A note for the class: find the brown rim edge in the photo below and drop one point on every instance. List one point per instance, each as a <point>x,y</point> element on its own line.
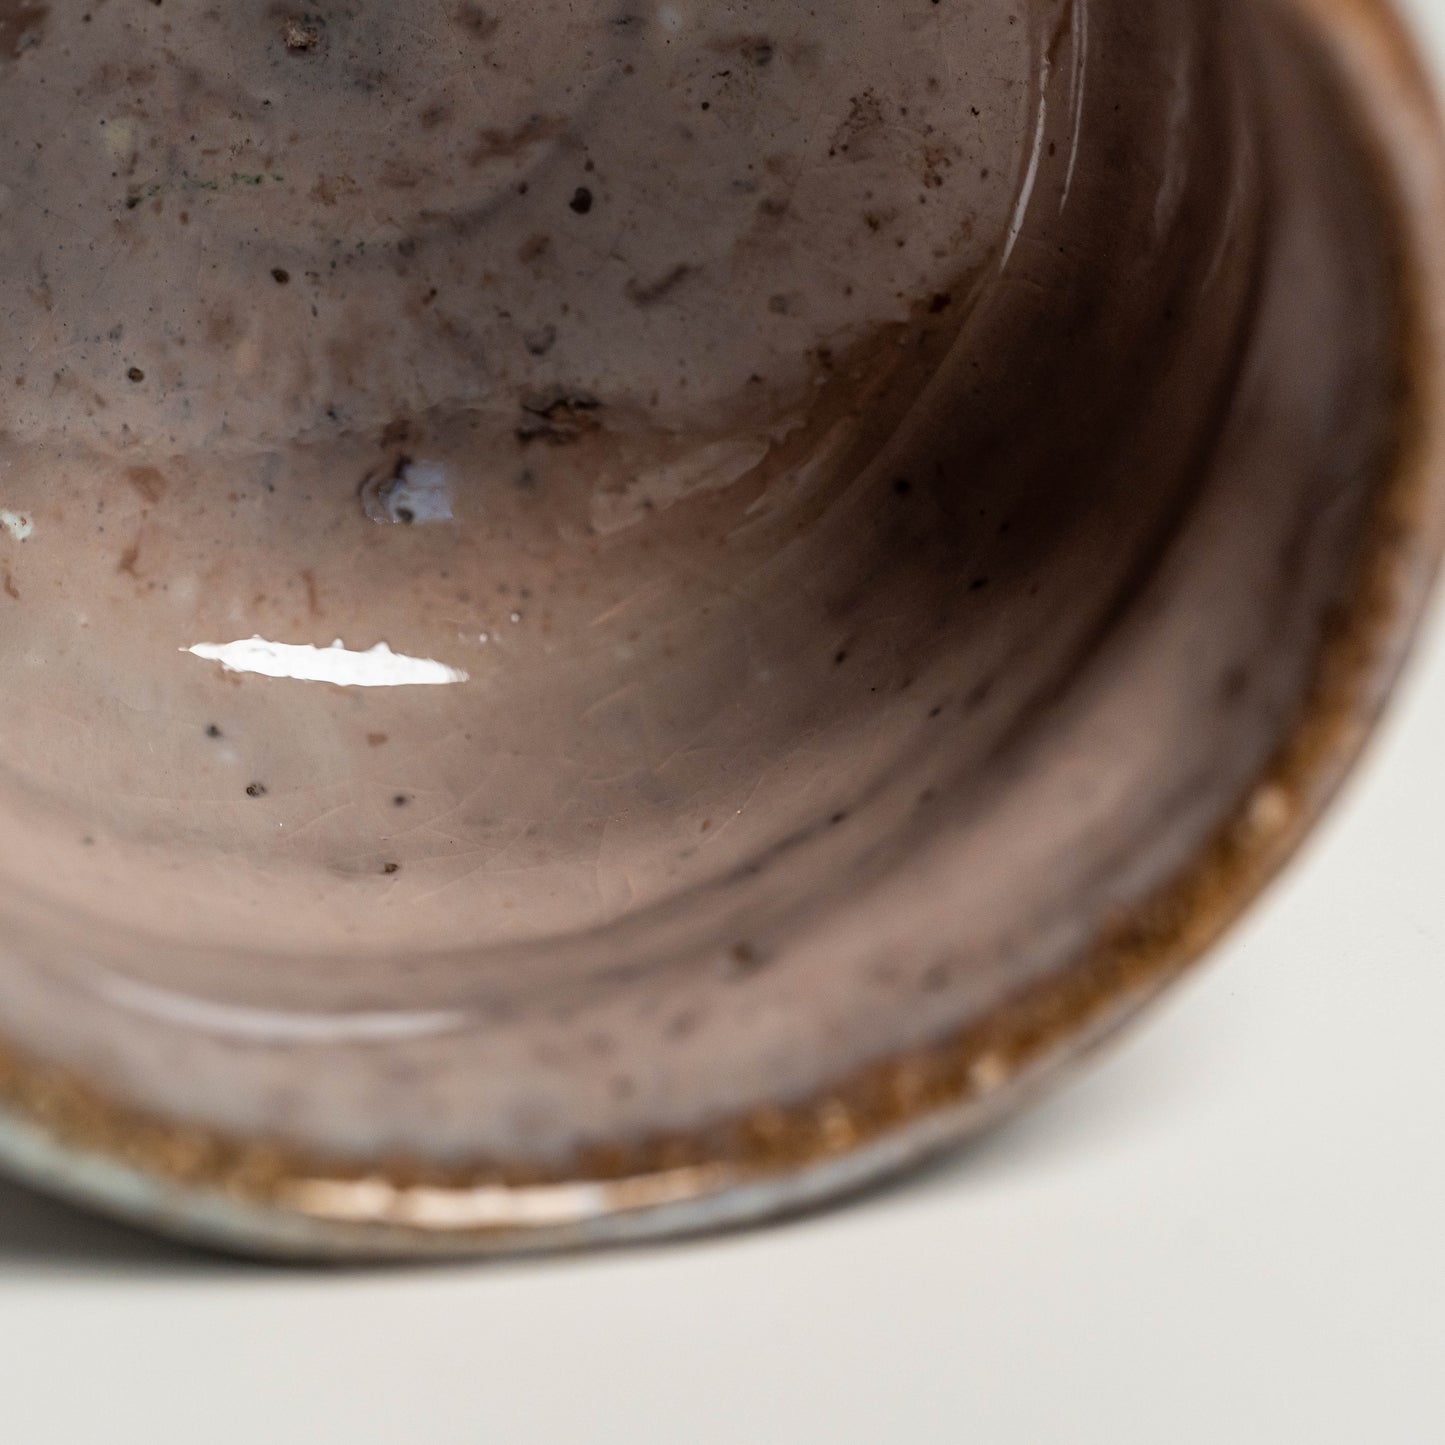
<point>402,1207</point>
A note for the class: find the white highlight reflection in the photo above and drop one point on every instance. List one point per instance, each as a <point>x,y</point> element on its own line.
<point>377,1201</point>
<point>272,1026</point>
<point>1031,175</point>
<point>381,667</point>
<point>17,524</point>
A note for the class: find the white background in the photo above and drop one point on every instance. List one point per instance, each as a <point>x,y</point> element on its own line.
<point>1233,1231</point>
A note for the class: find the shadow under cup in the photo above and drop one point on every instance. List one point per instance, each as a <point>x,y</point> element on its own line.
<point>635,645</point>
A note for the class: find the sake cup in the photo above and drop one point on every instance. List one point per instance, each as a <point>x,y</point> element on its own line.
<point>622,619</point>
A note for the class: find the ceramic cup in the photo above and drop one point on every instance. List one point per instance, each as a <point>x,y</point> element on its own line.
<point>623,618</point>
